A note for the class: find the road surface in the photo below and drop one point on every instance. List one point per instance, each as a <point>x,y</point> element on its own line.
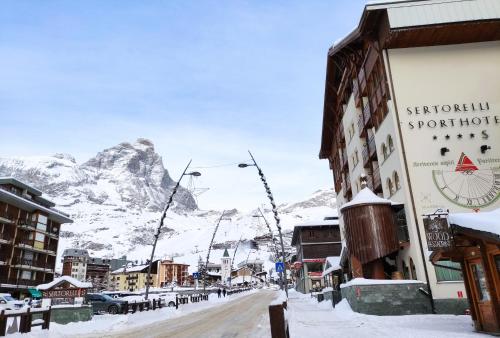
<point>246,316</point>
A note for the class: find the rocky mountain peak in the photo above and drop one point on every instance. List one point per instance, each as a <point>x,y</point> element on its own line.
<point>129,175</point>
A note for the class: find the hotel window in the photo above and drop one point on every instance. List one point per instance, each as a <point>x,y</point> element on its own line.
<point>39,240</point>
<point>355,159</point>
<point>413,270</point>
<point>397,184</point>
<point>26,275</point>
<point>42,223</point>
<point>448,275</point>
<point>384,151</point>
<point>390,144</point>
<point>390,187</point>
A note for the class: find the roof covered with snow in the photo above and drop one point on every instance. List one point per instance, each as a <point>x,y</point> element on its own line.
<point>136,268</point>
<point>62,279</point>
<point>28,205</point>
<point>328,221</point>
<point>319,223</point>
<point>485,221</point>
<point>365,196</point>
<point>332,263</point>
<point>75,252</point>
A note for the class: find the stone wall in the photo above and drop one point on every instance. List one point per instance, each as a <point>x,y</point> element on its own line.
<point>67,315</point>
<point>387,299</point>
<point>455,306</point>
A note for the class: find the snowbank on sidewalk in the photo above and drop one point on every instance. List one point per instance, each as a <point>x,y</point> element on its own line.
<point>307,318</point>
<point>363,281</point>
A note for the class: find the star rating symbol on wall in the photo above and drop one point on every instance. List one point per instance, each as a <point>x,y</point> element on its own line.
<point>447,137</point>
<point>459,136</point>
<point>472,135</point>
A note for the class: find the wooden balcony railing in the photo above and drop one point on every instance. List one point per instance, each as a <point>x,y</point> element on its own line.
<point>361,125</point>
<point>372,150</point>
<point>377,182</point>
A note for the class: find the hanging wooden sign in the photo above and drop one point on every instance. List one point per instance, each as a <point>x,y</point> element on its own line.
<point>438,233</point>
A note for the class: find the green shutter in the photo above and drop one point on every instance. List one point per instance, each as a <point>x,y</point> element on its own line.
<point>444,274</point>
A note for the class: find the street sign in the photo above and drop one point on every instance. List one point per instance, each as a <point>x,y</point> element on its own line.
<point>280,267</point>
<point>196,275</point>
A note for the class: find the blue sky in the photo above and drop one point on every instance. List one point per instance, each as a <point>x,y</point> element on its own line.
<point>202,79</point>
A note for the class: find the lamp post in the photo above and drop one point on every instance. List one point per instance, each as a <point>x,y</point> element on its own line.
<point>232,263</point>
<point>210,248</point>
<point>162,219</point>
<point>275,212</point>
<point>276,250</point>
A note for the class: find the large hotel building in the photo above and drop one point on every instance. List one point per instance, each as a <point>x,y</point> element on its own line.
<point>29,235</point>
<point>412,101</point>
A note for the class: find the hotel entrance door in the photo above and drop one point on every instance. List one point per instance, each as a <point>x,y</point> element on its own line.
<point>481,292</point>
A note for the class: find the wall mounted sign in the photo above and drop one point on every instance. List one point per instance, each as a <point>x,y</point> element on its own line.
<point>468,185</point>
<point>438,233</point>
<point>64,293</point>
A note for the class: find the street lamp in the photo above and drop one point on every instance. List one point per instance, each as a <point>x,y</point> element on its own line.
<point>276,250</point>
<point>162,219</point>
<point>232,263</point>
<point>275,212</point>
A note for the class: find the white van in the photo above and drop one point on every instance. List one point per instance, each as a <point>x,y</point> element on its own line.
<point>7,302</point>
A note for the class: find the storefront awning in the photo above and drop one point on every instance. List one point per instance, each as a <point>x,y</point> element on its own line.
<point>35,293</point>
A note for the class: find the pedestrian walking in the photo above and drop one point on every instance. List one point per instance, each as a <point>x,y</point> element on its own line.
<point>224,292</point>
<point>218,292</point>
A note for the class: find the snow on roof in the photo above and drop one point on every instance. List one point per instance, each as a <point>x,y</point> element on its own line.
<point>136,268</point>
<point>243,279</point>
<point>363,281</point>
<point>319,223</point>
<point>54,214</point>
<point>487,221</point>
<point>61,279</point>
<point>334,265</point>
<point>365,196</point>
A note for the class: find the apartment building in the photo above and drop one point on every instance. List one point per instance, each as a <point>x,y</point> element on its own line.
<point>29,235</point>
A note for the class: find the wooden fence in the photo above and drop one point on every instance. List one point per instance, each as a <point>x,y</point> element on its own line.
<point>26,319</point>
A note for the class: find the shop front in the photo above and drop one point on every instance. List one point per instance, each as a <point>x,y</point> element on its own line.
<point>473,240</point>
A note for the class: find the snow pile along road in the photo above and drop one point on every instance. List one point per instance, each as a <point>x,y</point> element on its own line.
<point>109,325</point>
<point>307,316</point>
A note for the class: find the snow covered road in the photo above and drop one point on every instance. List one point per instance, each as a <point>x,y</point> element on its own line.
<point>245,316</point>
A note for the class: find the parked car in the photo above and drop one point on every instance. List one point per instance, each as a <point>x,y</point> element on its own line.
<point>32,302</point>
<point>104,303</point>
<point>7,302</point>
<point>166,298</point>
<point>120,294</point>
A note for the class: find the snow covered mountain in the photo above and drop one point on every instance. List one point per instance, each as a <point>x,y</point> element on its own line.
<point>116,198</point>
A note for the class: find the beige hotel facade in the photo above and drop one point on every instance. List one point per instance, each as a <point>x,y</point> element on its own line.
<point>412,100</point>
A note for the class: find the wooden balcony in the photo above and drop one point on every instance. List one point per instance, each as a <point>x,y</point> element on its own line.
<point>355,92</point>
<point>370,61</point>
<point>366,156</point>
<point>362,82</point>
<point>377,182</point>
<point>361,125</point>
<point>372,149</point>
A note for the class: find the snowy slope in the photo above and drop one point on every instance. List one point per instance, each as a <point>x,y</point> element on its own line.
<point>116,198</point>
